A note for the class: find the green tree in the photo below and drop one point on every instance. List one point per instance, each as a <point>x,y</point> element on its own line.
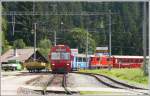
<point>19,44</point>
<point>126,26</point>
<point>44,47</point>
<point>5,43</point>
<point>78,38</point>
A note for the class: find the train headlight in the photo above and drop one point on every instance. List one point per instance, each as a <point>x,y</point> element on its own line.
<point>68,64</point>
<point>53,64</point>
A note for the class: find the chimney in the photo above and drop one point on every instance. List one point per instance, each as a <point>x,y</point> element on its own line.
<point>15,52</point>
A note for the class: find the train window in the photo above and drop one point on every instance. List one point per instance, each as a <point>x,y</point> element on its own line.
<point>65,56</point>
<point>55,56</point>
<point>141,60</point>
<point>137,60</point>
<point>125,60</point>
<point>84,59</point>
<point>133,60</point>
<point>79,59</point>
<point>98,59</point>
<point>119,60</point>
<point>129,60</point>
<point>108,59</point>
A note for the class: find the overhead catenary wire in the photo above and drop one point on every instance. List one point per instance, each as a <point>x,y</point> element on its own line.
<point>58,13</point>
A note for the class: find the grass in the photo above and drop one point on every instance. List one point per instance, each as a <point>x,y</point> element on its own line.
<point>94,92</point>
<point>100,93</point>
<point>130,75</point>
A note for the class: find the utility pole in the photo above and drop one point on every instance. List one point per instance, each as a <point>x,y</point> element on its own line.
<point>13,24</point>
<point>34,27</point>
<point>109,38</point>
<point>144,38</point>
<point>87,41</point>
<point>35,24</point>
<point>55,37</point>
<point>54,10</point>
<point>149,49</point>
<point>1,33</point>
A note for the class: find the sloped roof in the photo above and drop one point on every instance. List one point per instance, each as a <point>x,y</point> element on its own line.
<point>22,54</point>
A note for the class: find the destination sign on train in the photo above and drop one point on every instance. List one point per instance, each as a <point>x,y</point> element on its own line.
<point>60,49</point>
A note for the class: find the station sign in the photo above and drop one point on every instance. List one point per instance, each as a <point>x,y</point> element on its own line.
<point>74,51</point>
<point>101,48</point>
<point>101,51</point>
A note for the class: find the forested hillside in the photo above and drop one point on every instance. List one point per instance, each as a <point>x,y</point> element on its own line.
<point>71,30</point>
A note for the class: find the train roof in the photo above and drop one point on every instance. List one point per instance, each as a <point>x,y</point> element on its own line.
<point>147,57</point>
<point>126,56</point>
<point>81,55</point>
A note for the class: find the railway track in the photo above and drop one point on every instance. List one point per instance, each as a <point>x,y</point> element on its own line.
<point>114,83</point>
<point>64,84</point>
<point>45,82</point>
<point>59,80</point>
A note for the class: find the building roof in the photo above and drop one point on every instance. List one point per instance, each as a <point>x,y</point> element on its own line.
<point>125,56</point>
<point>22,54</point>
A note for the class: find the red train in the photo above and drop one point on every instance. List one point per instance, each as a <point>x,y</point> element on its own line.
<point>116,61</point>
<point>100,62</point>
<point>60,59</point>
<point>127,61</point>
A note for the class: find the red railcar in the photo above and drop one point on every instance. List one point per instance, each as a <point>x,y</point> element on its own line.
<point>100,62</point>
<point>60,59</point>
<point>127,61</point>
<point>116,61</point>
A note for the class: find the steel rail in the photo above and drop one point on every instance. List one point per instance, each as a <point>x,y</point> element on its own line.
<point>129,87</point>
<point>48,83</point>
<point>64,85</point>
<point>113,80</point>
<point>114,86</point>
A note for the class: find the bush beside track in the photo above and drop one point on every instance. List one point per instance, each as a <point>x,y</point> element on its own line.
<point>131,76</point>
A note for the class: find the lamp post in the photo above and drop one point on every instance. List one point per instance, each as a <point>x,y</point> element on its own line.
<point>61,23</point>
<point>61,26</point>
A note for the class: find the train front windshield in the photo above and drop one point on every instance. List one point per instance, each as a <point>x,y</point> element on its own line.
<point>60,56</point>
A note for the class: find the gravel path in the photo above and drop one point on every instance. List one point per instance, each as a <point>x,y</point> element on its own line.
<point>41,81</point>
<point>57,81</point>
<point>80,80</point>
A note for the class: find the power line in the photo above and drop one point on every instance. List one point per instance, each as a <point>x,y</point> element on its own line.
<point>60,13</point>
